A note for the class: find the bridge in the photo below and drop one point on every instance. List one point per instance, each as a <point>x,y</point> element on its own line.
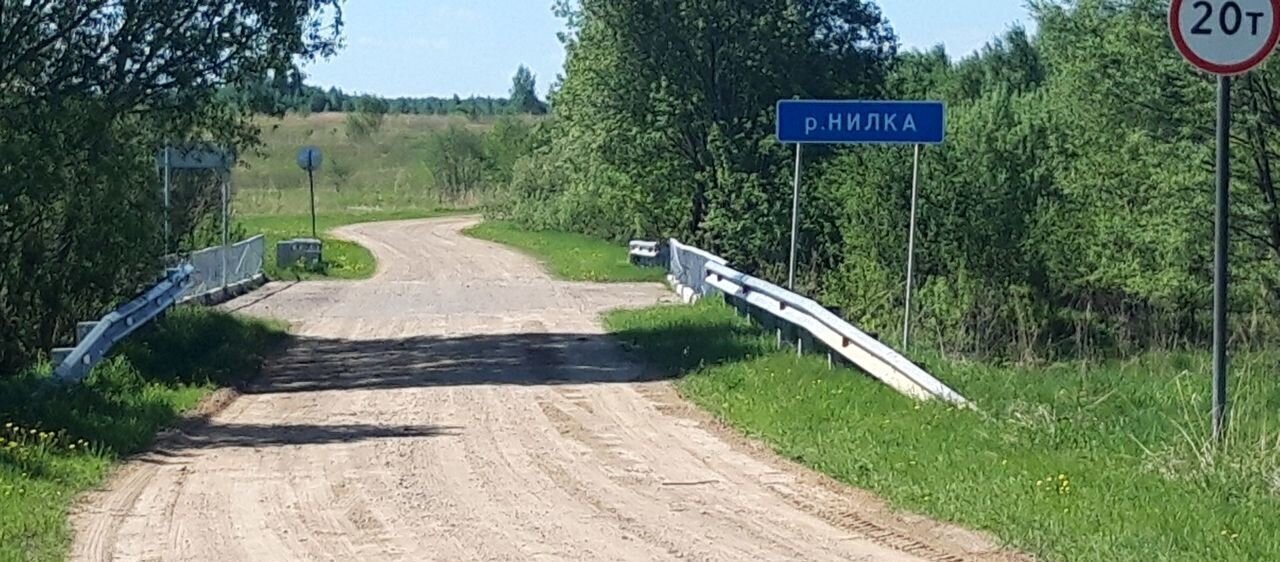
<point>464,405</point>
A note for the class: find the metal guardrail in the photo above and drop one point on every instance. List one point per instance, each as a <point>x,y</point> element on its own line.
<point>839,336</point>
<point>218,267</point>
<point>687,268</point>
<point>695,273</point>
<point>97,338</point>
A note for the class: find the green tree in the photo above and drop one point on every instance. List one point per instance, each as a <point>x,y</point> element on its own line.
<point>524,93</point>
<point>367,118</point>
<point>666,110</point>
<point>89,91</point>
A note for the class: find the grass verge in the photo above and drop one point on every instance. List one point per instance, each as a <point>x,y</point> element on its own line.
<point>57,441</point>
<point>569,256</point>
<point>1066,462</point>
<point>342,259</point>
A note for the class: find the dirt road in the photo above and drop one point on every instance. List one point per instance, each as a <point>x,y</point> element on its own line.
<point>462,405</point>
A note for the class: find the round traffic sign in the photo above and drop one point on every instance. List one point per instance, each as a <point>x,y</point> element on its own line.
<point>1225,37</point>
<point>309,157</point>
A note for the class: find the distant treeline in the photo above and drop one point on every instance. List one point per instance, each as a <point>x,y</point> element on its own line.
<point>288,93</point>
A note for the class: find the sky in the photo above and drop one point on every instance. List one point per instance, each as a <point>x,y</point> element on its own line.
<point>473,47</point>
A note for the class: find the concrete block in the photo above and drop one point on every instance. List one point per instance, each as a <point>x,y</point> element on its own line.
<point>304,250</point>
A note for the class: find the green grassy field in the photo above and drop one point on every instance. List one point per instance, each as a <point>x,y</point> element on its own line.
<point>379,178</point>
<point>1067,462</point>
<point>387,172</point>
<point>58,441</point>
<point>342,259</point>
<point>573,257</point>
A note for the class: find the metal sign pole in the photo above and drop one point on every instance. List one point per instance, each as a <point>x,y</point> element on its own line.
<point>1221,250</point>
<point>167,213</point>
<point>312,181</point>
<point>911,248</point>
<point>226,187</point>
<point>795,223</point>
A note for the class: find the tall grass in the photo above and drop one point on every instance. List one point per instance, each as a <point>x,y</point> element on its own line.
<point>389,169</point>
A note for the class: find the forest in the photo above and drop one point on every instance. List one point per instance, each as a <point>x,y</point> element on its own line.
<point>1068,214</point>
<point>288,92</point>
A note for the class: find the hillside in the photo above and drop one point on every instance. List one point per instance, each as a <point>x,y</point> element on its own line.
<point>396,167</point>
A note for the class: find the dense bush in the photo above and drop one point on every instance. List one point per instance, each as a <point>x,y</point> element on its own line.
<point>1068,213</point>
<point>89,93</point>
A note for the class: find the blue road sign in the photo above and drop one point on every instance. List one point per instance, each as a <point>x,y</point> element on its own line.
<point>860,122</point>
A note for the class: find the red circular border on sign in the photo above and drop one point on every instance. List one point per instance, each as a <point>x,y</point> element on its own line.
<point>1220,69</point>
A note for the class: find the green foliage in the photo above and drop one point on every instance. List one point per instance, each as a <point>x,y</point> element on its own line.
<point>665,109</point>
<point>569,256</point>
<point>58,441</point>
<point>524,93</point>
<point>89,92</point>
<point>457,161</point>
<point>1067,214</point>
<point>367,119</point>
<point>408,165</point>
<point>1079,461</point>
<point>280,93</point>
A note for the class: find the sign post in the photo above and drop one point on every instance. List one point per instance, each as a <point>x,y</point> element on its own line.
<point>913,123</point>
<point>201,156</point>
<point>911,248</point>
<point>310,159</point>
<point>168,214</point>
<point>795,224</point>
<point>1224,38</point>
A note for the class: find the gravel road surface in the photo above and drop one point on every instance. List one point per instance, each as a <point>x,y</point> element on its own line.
<point>463,405</point>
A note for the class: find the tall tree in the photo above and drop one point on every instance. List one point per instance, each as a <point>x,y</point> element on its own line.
<point>668,106</point>
<point>89,91</point>
<point>524,93</point>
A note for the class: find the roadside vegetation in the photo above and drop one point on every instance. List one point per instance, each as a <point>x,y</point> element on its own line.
<point>380,163</point>
<point>81,124</point>
<point>57,441</point>
<point>569,256</point>
<point>1076,461</point>
<point>1066,215</point>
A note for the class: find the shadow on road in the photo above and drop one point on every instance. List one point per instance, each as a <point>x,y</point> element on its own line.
<point>176,448</point>
<point>317,364</point>
<point>222,435</point>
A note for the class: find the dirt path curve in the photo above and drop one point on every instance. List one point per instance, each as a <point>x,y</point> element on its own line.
<point>462,405</point>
